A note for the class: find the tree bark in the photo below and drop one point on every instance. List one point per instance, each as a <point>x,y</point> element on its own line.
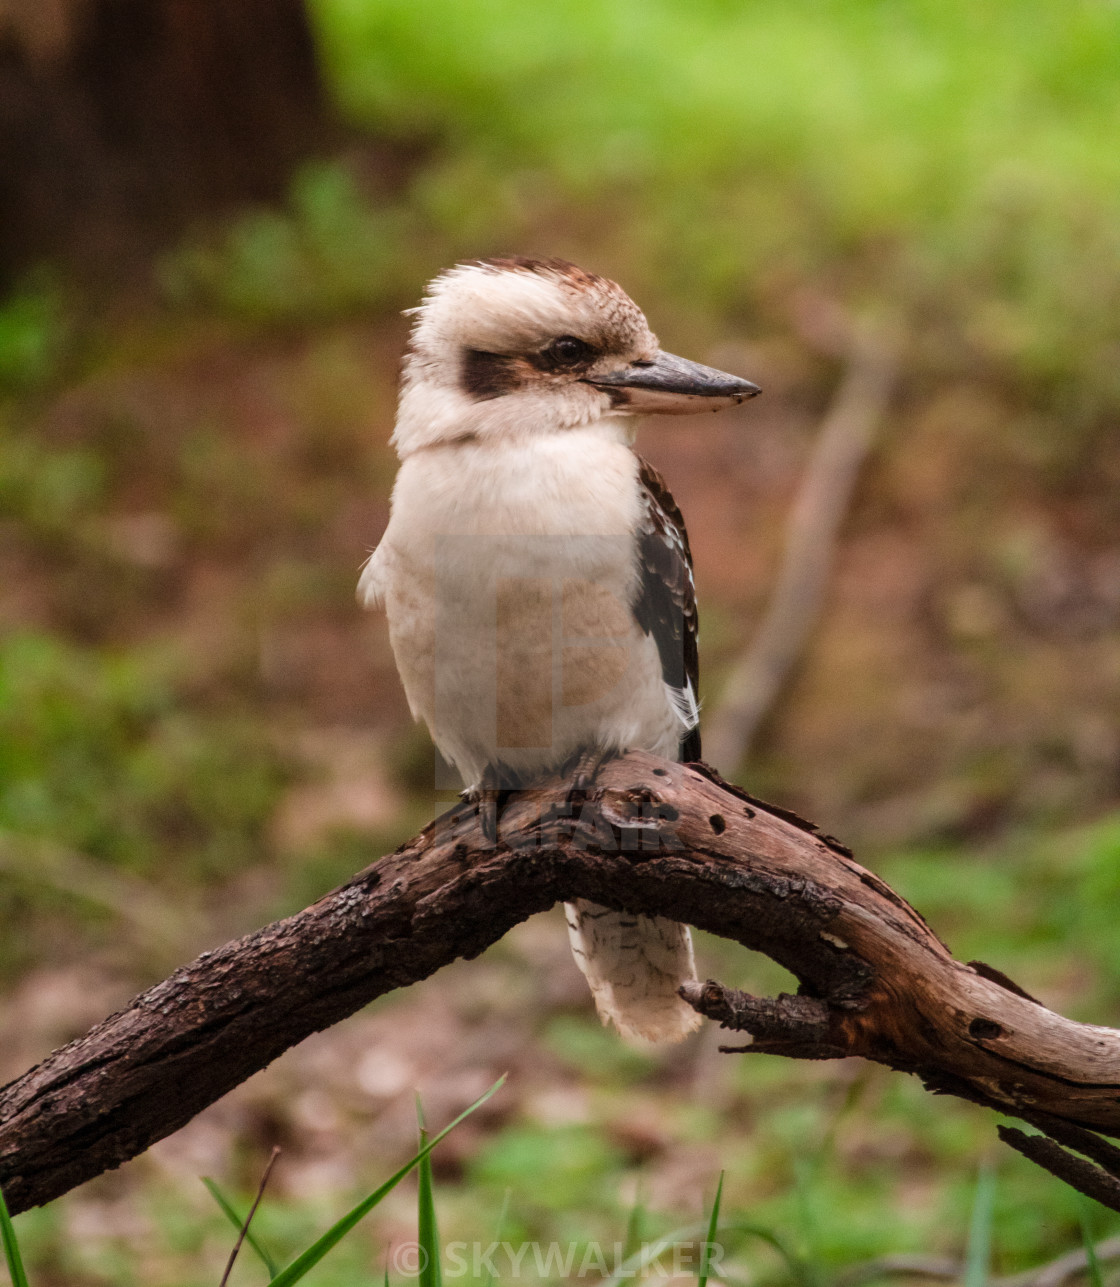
<point>119,119</point>
<point>650,837</point>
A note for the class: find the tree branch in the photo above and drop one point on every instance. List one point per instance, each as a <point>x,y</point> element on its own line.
<point>846,436</point>
<point>651,837</point>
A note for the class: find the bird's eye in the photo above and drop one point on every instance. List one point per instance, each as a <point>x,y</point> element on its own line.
<point>567,351</point>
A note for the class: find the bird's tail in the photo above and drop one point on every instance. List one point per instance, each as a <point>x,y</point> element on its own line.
<point>634,965</point>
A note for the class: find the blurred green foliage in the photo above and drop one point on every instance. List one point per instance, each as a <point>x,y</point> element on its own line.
<point>958,159</point>
<point>331,252</point>
<point>31,334</point>
<point>47,490</point>
<point>97,752</point>
<point>1041,904</point>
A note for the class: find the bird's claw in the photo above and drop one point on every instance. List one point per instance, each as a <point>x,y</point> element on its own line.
<point>486,801</point>
<point>585,771</point>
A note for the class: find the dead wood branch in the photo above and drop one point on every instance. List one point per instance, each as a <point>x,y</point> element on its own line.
<point>1052,1274</point>
<point>651,837</point>
<point>823,499</point>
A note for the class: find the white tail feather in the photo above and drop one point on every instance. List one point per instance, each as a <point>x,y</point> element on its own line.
<point>634,966</point>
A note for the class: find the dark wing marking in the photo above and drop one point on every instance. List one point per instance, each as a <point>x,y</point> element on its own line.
<point>665,606</point>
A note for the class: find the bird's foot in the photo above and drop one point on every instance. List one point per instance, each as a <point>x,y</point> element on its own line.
<point>488,800</point>
<point>585,770</point>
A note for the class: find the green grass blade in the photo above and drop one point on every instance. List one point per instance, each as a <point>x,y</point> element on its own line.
<point>713,1225</point>
<point>427,1234</point>
<point>796,1267</point>
<point>11,1246</point>
<point>806,1174</point>
<point>637,1265</point>
<point>1091,1262</point>
<point>635,1225</point>
<point>237,1221</point>
<point>499,1230</point>
<point>979,1256</point>
<point>310,1258</point>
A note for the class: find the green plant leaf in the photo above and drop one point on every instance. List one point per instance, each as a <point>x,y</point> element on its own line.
<point>427,1233</point>
<point>807,1173</point>
<point>237,1222</point>
<point>1091,1262</point>
<point>979,1255</point>
<point>636,1266</point>
<point>498,1230</point>
<point>635,1223</point>
<point>713,1225</point>
<point>11,1246</point>
<point>293,1272</point>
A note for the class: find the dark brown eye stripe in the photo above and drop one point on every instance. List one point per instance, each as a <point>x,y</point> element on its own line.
<point>484,375</point>
<point>488,375</point>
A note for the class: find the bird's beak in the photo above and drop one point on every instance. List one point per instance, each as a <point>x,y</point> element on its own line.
<point>672,385</point>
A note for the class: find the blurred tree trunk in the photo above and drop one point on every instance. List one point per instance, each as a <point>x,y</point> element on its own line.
<point>120,119</point>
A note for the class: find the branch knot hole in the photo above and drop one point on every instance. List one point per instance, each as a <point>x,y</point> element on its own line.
<point>985,1029</point>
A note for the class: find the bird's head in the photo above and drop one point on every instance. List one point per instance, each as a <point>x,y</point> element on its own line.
<point>513,346</point>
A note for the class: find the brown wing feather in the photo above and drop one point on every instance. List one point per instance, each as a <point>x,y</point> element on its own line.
<point>665,606</point>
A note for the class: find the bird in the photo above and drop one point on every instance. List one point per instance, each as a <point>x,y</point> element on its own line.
<point>536,572</point>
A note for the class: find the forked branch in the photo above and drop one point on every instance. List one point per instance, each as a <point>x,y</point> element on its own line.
<point>651,837</point>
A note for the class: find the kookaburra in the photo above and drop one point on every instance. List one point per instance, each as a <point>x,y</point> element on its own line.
<point>536,571</point>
